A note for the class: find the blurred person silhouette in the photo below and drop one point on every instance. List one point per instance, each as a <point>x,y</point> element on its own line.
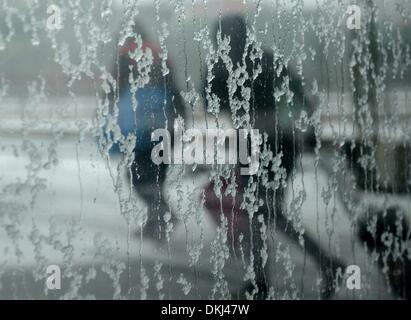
<point>271,117</point>
<point>157,106</point>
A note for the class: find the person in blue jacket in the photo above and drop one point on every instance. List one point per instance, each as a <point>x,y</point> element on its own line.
<point>158,104</point>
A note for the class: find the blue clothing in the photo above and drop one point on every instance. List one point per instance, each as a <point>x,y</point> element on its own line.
<point>154,108</point>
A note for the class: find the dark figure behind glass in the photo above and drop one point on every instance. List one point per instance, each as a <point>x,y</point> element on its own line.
<point>265,115</point>
<point>158,105</point>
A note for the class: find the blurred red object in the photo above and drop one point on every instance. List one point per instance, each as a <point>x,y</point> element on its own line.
<point>229,206</point>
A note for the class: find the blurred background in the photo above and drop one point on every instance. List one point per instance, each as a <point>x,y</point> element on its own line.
<point>66,198</point>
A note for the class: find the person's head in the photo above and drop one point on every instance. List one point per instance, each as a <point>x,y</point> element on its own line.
<point>138,29</point>
<point>233,26</point>
<point>126,61</point>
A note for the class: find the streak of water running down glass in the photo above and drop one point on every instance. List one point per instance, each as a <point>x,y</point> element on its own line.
<point>85,84</point>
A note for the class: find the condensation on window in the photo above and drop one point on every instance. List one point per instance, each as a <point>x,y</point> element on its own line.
<point>205,149</point>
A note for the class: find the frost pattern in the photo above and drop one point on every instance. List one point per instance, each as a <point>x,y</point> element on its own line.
<point>333,184</point>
